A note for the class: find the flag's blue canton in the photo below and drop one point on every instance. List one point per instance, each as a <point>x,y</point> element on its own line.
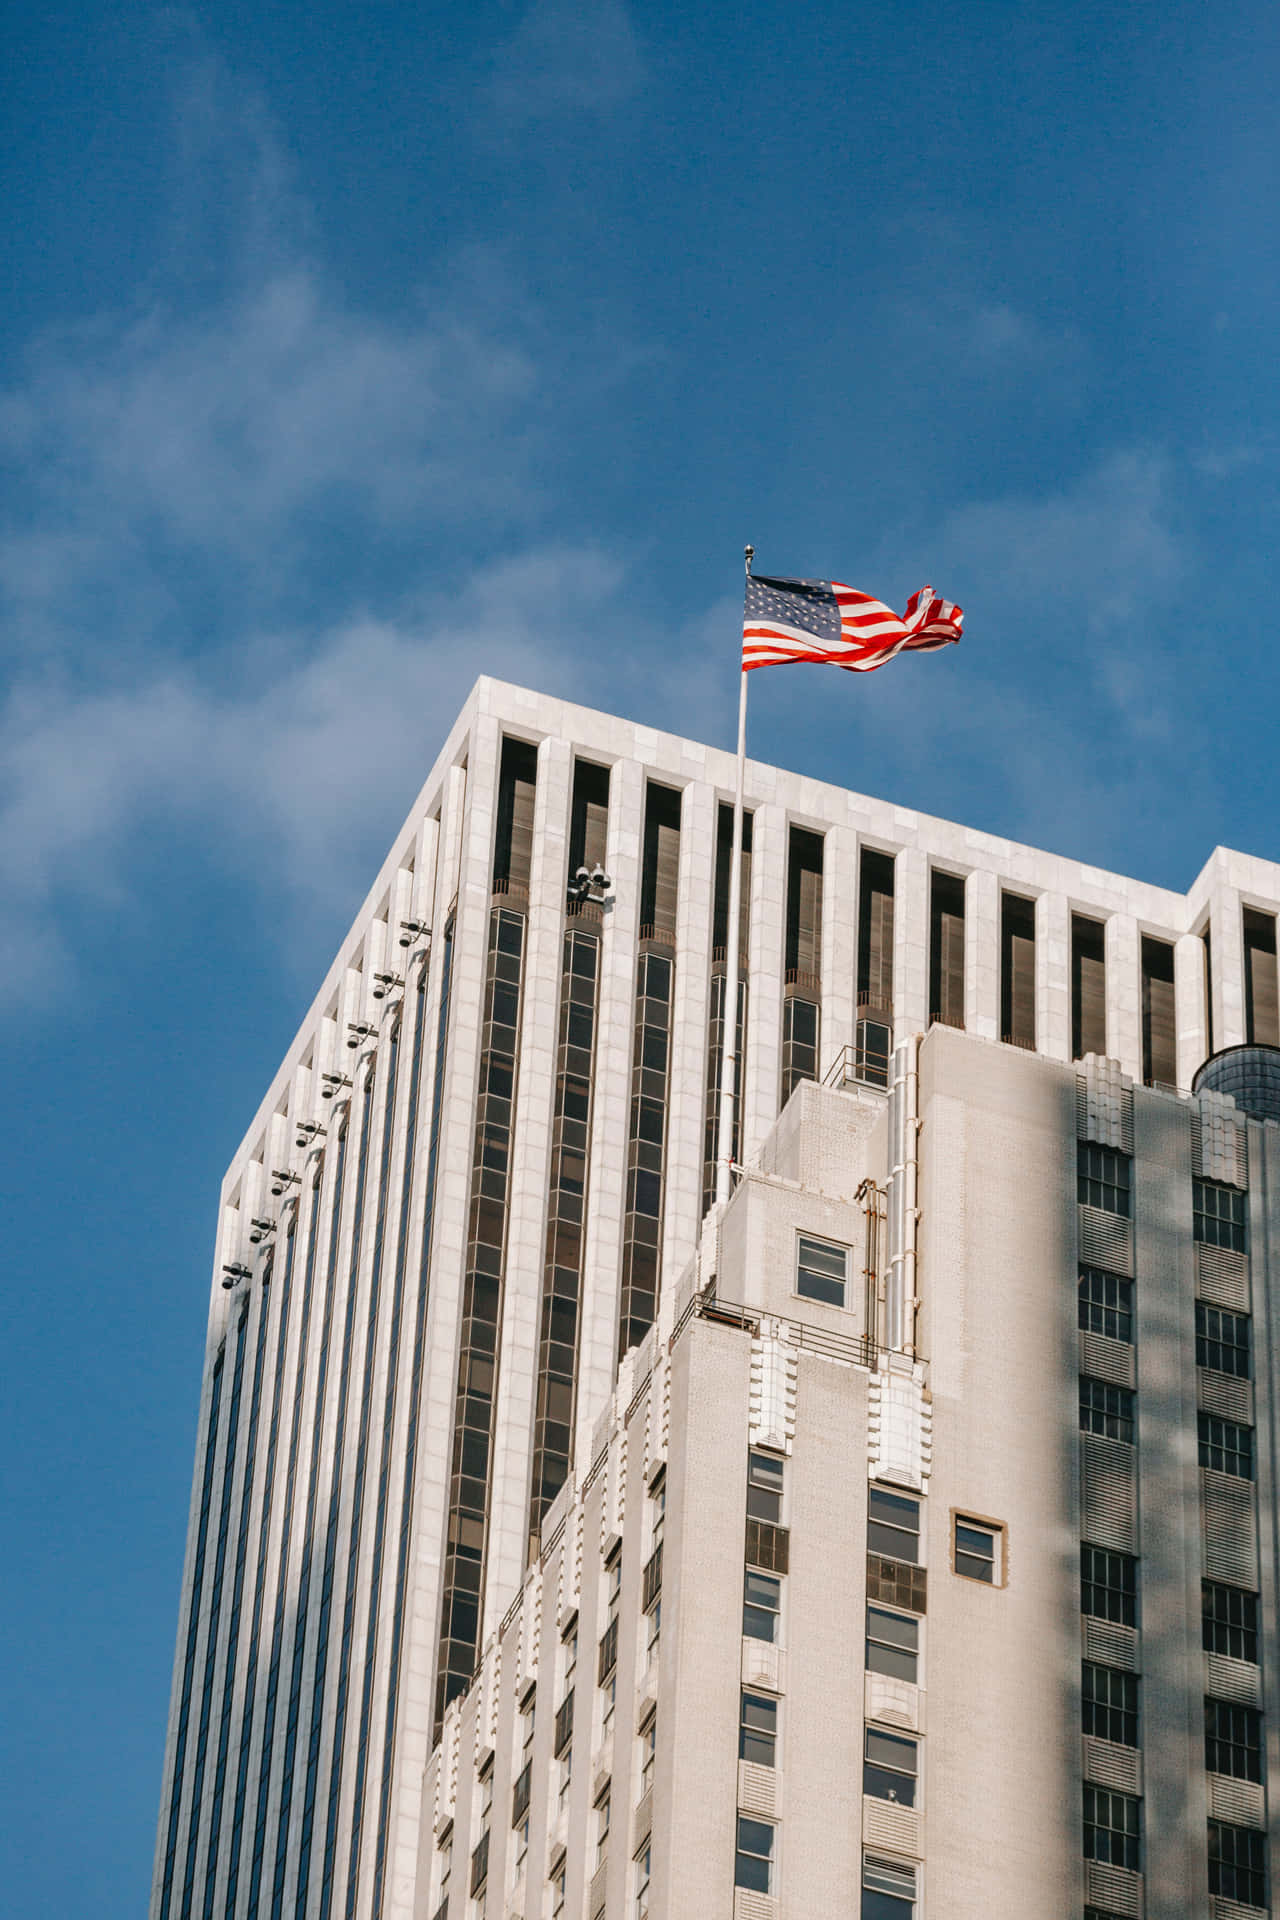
<point>807,604</point>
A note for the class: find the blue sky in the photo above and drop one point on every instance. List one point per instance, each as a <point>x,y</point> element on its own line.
<point>348,351</point>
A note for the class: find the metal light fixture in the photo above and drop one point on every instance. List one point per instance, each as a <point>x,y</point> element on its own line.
<point>282,1178</point>
<point>333,1083</point>
<point>357,1031</point>
<point>591,884</point>
<point>385,983</point>
<point>233,1273</point>
<point>309,1133</point>
<point>259,1229</point>
<point>411,930</point>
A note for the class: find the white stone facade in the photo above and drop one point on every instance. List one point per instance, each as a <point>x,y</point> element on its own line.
<point>304,1457</point>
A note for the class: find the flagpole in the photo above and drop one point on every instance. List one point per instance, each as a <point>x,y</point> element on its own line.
<point>729,1063</point>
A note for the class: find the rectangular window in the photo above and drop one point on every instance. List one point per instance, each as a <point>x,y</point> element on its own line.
<point>648,1753</point>
<point>1103,1178</point>
<point>1261,1004</point>
<point>1109,1700</point>
<point>643,1863</point>
<point>977,1550</point>
<point>1238,1864</point>
<point>1106,1304</point>
<point>1223,1341</point>
<point>1159,1022</point>
<point>821,1270</point>
<point>1106,1409</point>
<point>564,1724</point>
<point>946,949</point>
<point>1217,1214</point>
<point>1017,970</point>
<point>893,1644</point>
<point>1232,1740</point>
<point>753,1861</point>
<point>761,1606</point>
<point>888,1889</point>
<point>1111,1828</point>
<point>1230,1621</point>
<point>893,1525</point>
<point>1225,1446</point>
<point>559,1876</point>
<point>890,1766</point>
<point>1109,1585</point>
<point>758,1729</point>
<point>1088,987</point>
<point>764,1487</point>
<point>604,1809</point>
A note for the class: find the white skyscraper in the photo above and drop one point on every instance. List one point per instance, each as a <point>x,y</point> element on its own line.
<point>921,1560</point>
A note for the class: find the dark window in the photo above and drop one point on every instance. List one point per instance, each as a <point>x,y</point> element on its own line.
<point>1111,1827</point>
<point>1109,1585</point>
<point>888,1889</point>
<point>1238,1864</point>
<point>1225,1446</point>
<point>761,1605</point>
<point>1223,1340</point>
<point>1232,1740</point>
<point>753,1860</point>
<point>946,949</point>
<point>1218,1214</point>
<point>1103,1178</point>
<point>1230,1624</point>
<point>1106,1304</point>
<point>893,1525</point>
<point>821,1270</point>
<point>896,1583</point>
<point>1159,1025</point>
<point>480,1863</point>
<point>893,1643</point>
<point>890,1766</point>
<point>1110,1704</point>
<point>875,931</point>
<point>1261,1005</point>
<point>764,1486</point>
<point>564,1724</point>
<point>758,1729</point>
<point>767,1546</point>
<point>1018,970</point>
<point>977,1550</point>
<point>1088,987</point>
<point>1106,1409</point>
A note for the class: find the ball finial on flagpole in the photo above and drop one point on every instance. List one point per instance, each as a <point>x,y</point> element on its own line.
<point>749,553</point>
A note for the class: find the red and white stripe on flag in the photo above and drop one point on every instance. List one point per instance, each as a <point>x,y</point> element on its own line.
<point>870,633</point>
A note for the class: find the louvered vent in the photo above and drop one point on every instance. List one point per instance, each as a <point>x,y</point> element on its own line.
<point>897,1829</point>
<point>1223,1394</point>
<point>1107,1359</point>
<point>1106,1240</point>
<point>1108,1493</point>
<point>1230,1529</point>
<point>1113,1888</point>
<point>1108,1765</point>
<point>1238,1801</point>
<point>1222,1276</point>
<point>1228,1679</point>
<point>757,1790</point>
<point>1110,1644</point>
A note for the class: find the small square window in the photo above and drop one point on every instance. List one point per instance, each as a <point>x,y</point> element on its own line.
<point>822,1270</point>
<point>1230,1621</point>
<point>1226,1446</point>
<point>1223,1341</point>
<point>1217,1216</point>
<point>1106,1304</point>
<point>890,1766</point>
<point>1106,1409</point>
<point>1238,1864</point>
<point>979,1550</point>
<point>1112,1827</point>
<point>1109,1704</point>
<point>753,1860</point>
<point>1109,1585</point>
<point>1232,1740</point>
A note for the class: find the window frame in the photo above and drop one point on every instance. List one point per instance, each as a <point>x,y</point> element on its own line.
<point>1233,1732</point>
<point>1212,1347</point>
<point>1104,1716</point>
<point>1098,1178</point>
<point>1219,1443</point>
<point>1219,1225</point>
<point>880,1767</point>
<point>1091,1311</point>
<point>1107,1410</point>
<point>1212,1621</point>
<point>822,1247</point>
<point>764,1486</point>
<point>1252,1877</point>
<point>742,1854</point>
<point>1128,1593</point>
<point>1100,1839</point>
<point>892,1886</point>
<point>752,1699</point>
<point>773,1639</point>
<point>994,1530</point>
<point>896,1532</point>
<point>909,1655</point>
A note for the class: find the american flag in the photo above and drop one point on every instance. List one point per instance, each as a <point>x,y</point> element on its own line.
<point>824,620</point>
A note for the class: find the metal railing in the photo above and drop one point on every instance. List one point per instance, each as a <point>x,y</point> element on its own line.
<point>858,1065</point>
